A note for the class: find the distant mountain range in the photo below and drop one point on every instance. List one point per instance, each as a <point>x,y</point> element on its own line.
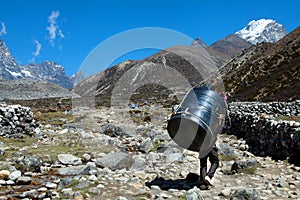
<point>47,71</point>
<point>257,31</point>
<point>230,55</point>
<point>253,44</point>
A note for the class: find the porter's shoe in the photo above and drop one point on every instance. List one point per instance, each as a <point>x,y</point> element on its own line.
<point>208,181</point>
<point>204,187</point>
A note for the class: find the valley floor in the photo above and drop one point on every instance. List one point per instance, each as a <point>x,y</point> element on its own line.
<point>103,154</point>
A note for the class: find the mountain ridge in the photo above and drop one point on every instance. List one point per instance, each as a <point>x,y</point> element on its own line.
<point>9,69</point>
<point>220,52</point>
<point>267,71</point>
<point>239,84</point>
<point>48,71</point>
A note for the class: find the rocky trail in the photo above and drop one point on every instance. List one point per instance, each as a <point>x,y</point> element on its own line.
<point>100,154</point>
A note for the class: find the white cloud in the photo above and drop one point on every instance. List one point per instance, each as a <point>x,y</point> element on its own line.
<point>38,48</point>
<point>54,30</point>
<point>60,33</point>
<point>3,29</point>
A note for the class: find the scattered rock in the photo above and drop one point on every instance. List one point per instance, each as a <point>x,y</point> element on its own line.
<point>16,120</point>
<point>4,174</point>
<point>226,192</point>
<point>146,146</point>
<point>244,164</point>
<point>194,194</point>
<point>68,159</point>
<point>29,163</point>
<point>138,164</point>
<point>115,161</point>
<point>245,194</point>
<point>128,165</point>
<point>76,170</point>
<point>174,157</point>
<point>23,180</point>
<point>14,175</point>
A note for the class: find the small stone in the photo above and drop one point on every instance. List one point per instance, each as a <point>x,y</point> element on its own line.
<point>23,180</point>
<point>226,192</point>
<point>28,174</point>
<point>67,192</point>
<point>100,186</point>
<point>138,164</point>
<point>155,187</point>
<point>121,198</point>
<point>146,146</point>
<point>114,161</point>
<point>174,157</point>
<point>54,195</point>
<point>51,185</point>
<point>42,189</point>
<point>194,194</point>
<point>78,197</point>
<point>4,174</point>
<point>142,175</point>
<point>10,182</point>
<point>68,159</point>
<point>292,186</point>
<point>184,173</point>
<point>246,193</point>
<point>86,157</point>
<point>42,195</point>
<point>63,131</point>
<point>94,190</point>
<point>93,178</point>
<point>14,175</point>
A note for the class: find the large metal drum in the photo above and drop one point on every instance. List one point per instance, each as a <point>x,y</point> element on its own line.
<point>198,120</point>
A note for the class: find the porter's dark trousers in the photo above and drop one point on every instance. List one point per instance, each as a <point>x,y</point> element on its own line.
<point>214,160</point>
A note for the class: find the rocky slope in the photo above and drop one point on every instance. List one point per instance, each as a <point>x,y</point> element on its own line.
<point>22,89</point>
<point>77,77</point>
<point>266,71</point>
<point>175,69</point>
<point>224,49</point>
<point>258,72</point>
<point>228,47</point>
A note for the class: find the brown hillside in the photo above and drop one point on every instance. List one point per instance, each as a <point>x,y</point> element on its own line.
<point>266,71</point>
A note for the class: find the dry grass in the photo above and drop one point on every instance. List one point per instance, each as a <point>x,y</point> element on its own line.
<point>288,118</point>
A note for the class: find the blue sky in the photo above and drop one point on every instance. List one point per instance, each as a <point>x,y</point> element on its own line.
<point>66,31</point>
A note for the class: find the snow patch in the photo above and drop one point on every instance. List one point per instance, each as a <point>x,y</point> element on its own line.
<point>15,74</point>
<point>27,73</point>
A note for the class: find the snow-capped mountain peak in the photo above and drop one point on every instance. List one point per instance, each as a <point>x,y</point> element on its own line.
<point>262,30</point>
<point>9,69</point>
<point>47,71</point>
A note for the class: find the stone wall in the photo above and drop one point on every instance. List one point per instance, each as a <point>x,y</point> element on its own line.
<point>15,121</point>
<point>262,126</point>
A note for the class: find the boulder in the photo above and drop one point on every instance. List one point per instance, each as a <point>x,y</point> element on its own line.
<point>114,161</point>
